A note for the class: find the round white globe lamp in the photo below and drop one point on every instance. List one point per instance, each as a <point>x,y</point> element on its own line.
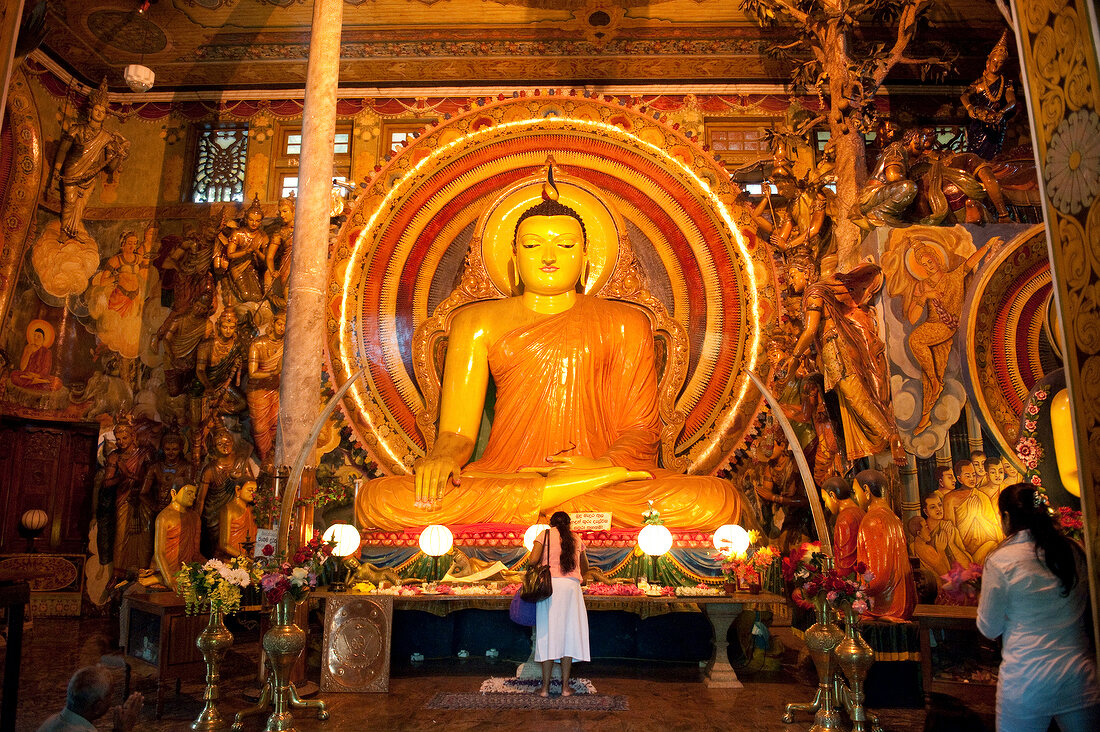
<point>654,540</point>
<point>435,541</point>
<point>731,539</point>
<point>346,537</point>
<point>31,524</point>
<point>533,534</point>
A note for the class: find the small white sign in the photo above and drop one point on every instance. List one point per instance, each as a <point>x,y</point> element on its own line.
<point>266,537</point>
<point>590,521</point>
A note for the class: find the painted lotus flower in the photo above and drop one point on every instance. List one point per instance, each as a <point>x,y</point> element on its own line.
<point>1072,169</point>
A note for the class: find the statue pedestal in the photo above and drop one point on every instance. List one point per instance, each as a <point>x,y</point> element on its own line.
<point>719,673</point>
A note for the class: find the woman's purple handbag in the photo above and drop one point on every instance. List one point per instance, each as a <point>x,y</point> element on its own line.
<point>521,611</point>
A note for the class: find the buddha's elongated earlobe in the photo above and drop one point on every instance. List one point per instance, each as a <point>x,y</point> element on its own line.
<point>586,278</point>
<point>513,275</point>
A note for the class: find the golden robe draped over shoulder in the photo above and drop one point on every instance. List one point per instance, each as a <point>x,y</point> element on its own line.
<point>581,382</point>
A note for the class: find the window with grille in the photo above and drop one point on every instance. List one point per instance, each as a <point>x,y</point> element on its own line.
<point>396,132</point>
<point>738,142</point>
<point>289,152</point>
<point>220,156</point>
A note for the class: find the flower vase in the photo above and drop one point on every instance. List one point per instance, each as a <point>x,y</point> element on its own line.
<point>283,643</point>
<point>729,587</point>
<point>213,642</point>
<point>854,657</point>
<point>821,638</point>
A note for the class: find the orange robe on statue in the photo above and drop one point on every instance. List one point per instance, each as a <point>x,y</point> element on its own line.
<point>881,545</point>
<point>181,538</point>
<point>581,382</point>
<point>845,536</point>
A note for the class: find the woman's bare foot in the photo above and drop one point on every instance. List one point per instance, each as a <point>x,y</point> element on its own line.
<point>565,690</point>
<point>544,693</point>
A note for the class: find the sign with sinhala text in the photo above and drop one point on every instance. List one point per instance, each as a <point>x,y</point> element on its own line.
<point>590,521</point>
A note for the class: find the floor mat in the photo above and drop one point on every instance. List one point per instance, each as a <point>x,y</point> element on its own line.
<point>512,685</point>
<point>577,702</point>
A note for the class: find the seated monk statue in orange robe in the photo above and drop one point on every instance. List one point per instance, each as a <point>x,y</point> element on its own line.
<point>881,545</point>
<point>836,493</point>
<point>176,540</point>
<point>236,524</point>
<point>576,424</point>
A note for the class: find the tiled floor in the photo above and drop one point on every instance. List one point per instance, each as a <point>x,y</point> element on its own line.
<point>666,697</point>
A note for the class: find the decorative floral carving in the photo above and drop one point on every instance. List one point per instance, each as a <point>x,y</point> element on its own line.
<point>1072,172</point>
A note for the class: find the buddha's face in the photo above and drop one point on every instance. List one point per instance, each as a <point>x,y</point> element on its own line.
<point>549,254</point>
<point>967,476</point>
<point>933,506</point>
<point>996,60</point>
<point>247,491</point>
<point>185,496</point>
<point>996,473</point>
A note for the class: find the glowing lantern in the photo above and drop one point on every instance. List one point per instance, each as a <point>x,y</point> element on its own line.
<point>533,533</point>
<point>655,539</point>
<point>346,537</point>
<point>436,540</point>
<point>34,519</point>
<point>731,539</point>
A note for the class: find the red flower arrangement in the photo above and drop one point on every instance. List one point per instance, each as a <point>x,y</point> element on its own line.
<point>805,573</point>
<point>748,569</point>
<point>296,576</point>
<point>1070,523</point>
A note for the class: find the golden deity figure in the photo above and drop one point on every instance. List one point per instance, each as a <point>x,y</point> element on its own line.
<point>576,425</point>
<point>265,366</point>
<point>167,475</point>
<point>123,474</point>
<point>990,102</point>
<point>176,539</point>
<point>244,253</point>
<point>838,318</point>
<point>236,524</point>
<point>973,513</point>
<point>277,257</point>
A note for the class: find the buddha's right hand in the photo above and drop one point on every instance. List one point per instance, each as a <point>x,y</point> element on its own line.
<point>433,474</point>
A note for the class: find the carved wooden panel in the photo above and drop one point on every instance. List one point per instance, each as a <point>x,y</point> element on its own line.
<point>356,655</point>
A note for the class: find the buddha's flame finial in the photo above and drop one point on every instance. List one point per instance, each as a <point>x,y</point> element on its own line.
<point>549,188</point>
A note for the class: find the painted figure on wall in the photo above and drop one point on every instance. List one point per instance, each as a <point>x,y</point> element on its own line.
<point>236,525</point>
<point>35,369</point>
<point>223,471</point>
<point>123,477</point>
<point>945,480</point>
<point>244,254</point>
<point>86,149</point>
<point>990,102</point>
<point>972,513</point>
<point>933,287</point>
<point>881,545</point>
<point>838,319</point>
<point>169,473</point>
<point>576,423</point>
<point>265,365</point>
<point>836,493</point>
<point>937,543</point>
<point>116,296</point>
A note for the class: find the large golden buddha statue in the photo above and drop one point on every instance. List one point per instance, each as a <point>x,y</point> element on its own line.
<point>576,423</point>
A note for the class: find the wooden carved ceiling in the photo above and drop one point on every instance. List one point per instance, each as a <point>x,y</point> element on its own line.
<point>263,44</point>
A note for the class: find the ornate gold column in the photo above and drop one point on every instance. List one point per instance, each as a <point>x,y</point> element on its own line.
<point>1058,61</point>
<point>300,389</point>
<point>10,16</point>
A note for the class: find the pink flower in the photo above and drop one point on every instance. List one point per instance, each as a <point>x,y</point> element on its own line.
<point>831,597</point>
<point>1036,480</point>
<point>859,606</point>
<point>268,550</point>
<point>1032,409</point>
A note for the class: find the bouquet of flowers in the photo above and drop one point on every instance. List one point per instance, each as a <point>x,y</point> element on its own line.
<point>804,572</point>
<point>294,576</point>
<point>1069,522</point>
<point>215,584</point>
<point>962,584</point>
<point>748,568</point>
<point>849,588</point>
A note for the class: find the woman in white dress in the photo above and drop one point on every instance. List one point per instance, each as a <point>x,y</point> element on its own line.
<point>561,621</point>
<point>1035,597</point>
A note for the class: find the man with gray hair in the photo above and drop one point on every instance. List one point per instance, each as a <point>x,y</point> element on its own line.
<point>87,699</point>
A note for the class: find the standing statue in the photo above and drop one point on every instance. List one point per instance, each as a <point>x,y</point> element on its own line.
<point>236,525</point>
<point>576,424</point>
<point>244,253</point>
<point>265,365</point>
<point>218,363</point>
<point>85,150</point>
<point>836,494</point>
<point>972,513</point>
<point>181,345</point>
<point>223,472</point>
<point>187,270</point>
<point>168,474</point>
<point>123,476</point>
<point>277,274</point>
<point>935,289</point>
<point>177,537</point>
<point>839,321</point>
<point>892,594</point>
<point>989,102</point>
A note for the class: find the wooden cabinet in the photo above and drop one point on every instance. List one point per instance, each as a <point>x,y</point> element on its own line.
<point>49,466</point>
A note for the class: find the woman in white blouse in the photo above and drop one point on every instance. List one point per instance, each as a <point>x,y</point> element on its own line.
<point>1035,598</point>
